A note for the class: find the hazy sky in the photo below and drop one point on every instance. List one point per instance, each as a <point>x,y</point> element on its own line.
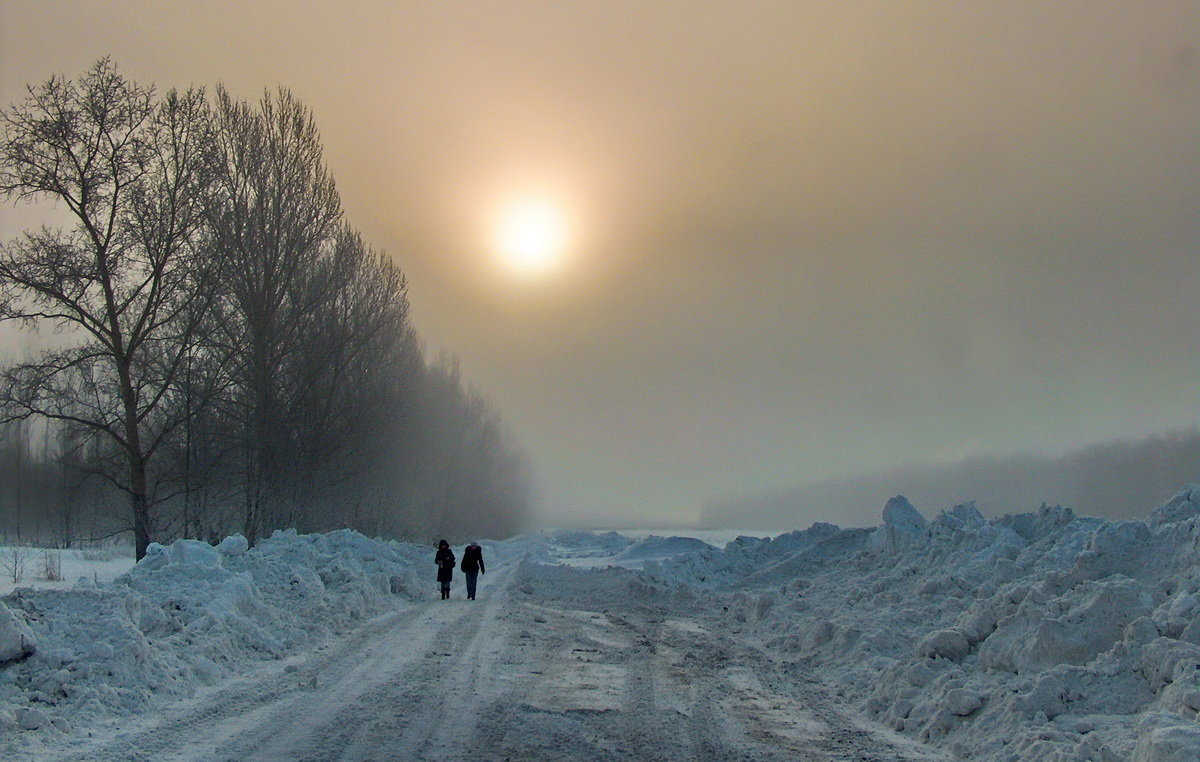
<point>809,239</point>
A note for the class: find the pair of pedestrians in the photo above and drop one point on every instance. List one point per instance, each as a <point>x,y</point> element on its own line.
<point>472,567</point>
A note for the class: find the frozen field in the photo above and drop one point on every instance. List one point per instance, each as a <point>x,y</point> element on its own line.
<point>61,569</point>
<point>1035,636</point>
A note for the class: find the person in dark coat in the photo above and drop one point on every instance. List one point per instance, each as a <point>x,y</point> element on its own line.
<point>445,564</point>
<point>472,566</point>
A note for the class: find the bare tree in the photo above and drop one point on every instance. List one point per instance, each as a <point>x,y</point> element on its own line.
<point>346,383</point>
<point>278,216</point>
<point>127,282</point>
<point>458,469</point>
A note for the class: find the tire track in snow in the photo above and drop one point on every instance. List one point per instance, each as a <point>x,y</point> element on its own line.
<point>440,723</point>
<point>411,698</point>
<point>576,672</point>
<point>282,711</point>
<point>192,728</point>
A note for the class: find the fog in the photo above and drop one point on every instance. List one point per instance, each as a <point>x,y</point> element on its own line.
<point>811,240</point>
<point>1114,480</point>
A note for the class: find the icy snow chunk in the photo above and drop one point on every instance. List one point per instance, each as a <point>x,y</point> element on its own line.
<point>661,547</point>
<point>1175,744</point>
<point>968,514</point>
<point>1119,547</point>
<point>31,718</point>
<point>195,552</point>
<point>1048,520</point>
<point>998,542</point>
<point>233,545</point>
<point>156,557</point>
<point>903,527</point>
<point>57,657</point>
<point>946,644</point>
<point>1034,639</point>
<point>1165,661</point>
<point>962,702</point>
<point>1141,630</point>
<point>980,619</point>
<point>964,518</point>
<point>238,611</point>
<point>901,514</point>
<point>16,639</point>
<point>1183,604</point>
<point>1183,506</point>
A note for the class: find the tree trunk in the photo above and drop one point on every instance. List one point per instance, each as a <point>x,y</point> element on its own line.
<point>141,510</point>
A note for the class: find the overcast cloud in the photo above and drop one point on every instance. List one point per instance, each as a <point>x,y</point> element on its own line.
<point>813,239</point>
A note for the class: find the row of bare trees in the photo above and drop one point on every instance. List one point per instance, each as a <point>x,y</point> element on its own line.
<point>236,357</point>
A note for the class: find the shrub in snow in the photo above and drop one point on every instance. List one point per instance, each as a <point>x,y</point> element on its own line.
<point>12,561</point>
<point>16,639</point>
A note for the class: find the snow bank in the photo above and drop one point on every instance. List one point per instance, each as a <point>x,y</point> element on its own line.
<point>1034,636</point>
<point>186,615</point>
<point>16,639</point>
<point>1042,635</point>
<point>655,547</point>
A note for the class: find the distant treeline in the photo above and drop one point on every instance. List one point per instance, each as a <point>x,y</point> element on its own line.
<point>236,358</point>
<point>1113,480</point>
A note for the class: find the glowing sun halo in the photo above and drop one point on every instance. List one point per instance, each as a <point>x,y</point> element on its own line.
<point>531,235</point>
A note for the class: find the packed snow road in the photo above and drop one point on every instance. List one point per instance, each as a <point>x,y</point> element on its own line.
<point>549,663</point>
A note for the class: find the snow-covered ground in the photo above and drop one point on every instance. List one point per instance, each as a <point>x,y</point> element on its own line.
<point>61,569</point>
<point>1034,636</point>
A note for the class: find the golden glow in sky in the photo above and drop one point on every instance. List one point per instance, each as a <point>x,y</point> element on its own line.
<point>531,234</point>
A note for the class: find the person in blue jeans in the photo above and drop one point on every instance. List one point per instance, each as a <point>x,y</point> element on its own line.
<point>472,567</point>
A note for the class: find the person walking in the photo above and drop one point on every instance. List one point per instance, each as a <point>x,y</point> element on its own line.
<point>445,564</point>
<point>472,567</point>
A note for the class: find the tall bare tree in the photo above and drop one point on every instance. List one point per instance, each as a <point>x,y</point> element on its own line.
<point>127,281</point>
<point>345,378</point>
<point>278,215</point>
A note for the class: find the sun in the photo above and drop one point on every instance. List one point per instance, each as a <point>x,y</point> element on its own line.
<point>531,234</point>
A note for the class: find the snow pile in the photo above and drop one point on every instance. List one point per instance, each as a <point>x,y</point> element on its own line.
<point>747,559</point>
<point>1041,635</point>
<point>600,586</point>
<point>577,547</point>
<point>655,547</point>
<point>16,639</point>
<point>1034,636</point>
<point>188,614</point>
